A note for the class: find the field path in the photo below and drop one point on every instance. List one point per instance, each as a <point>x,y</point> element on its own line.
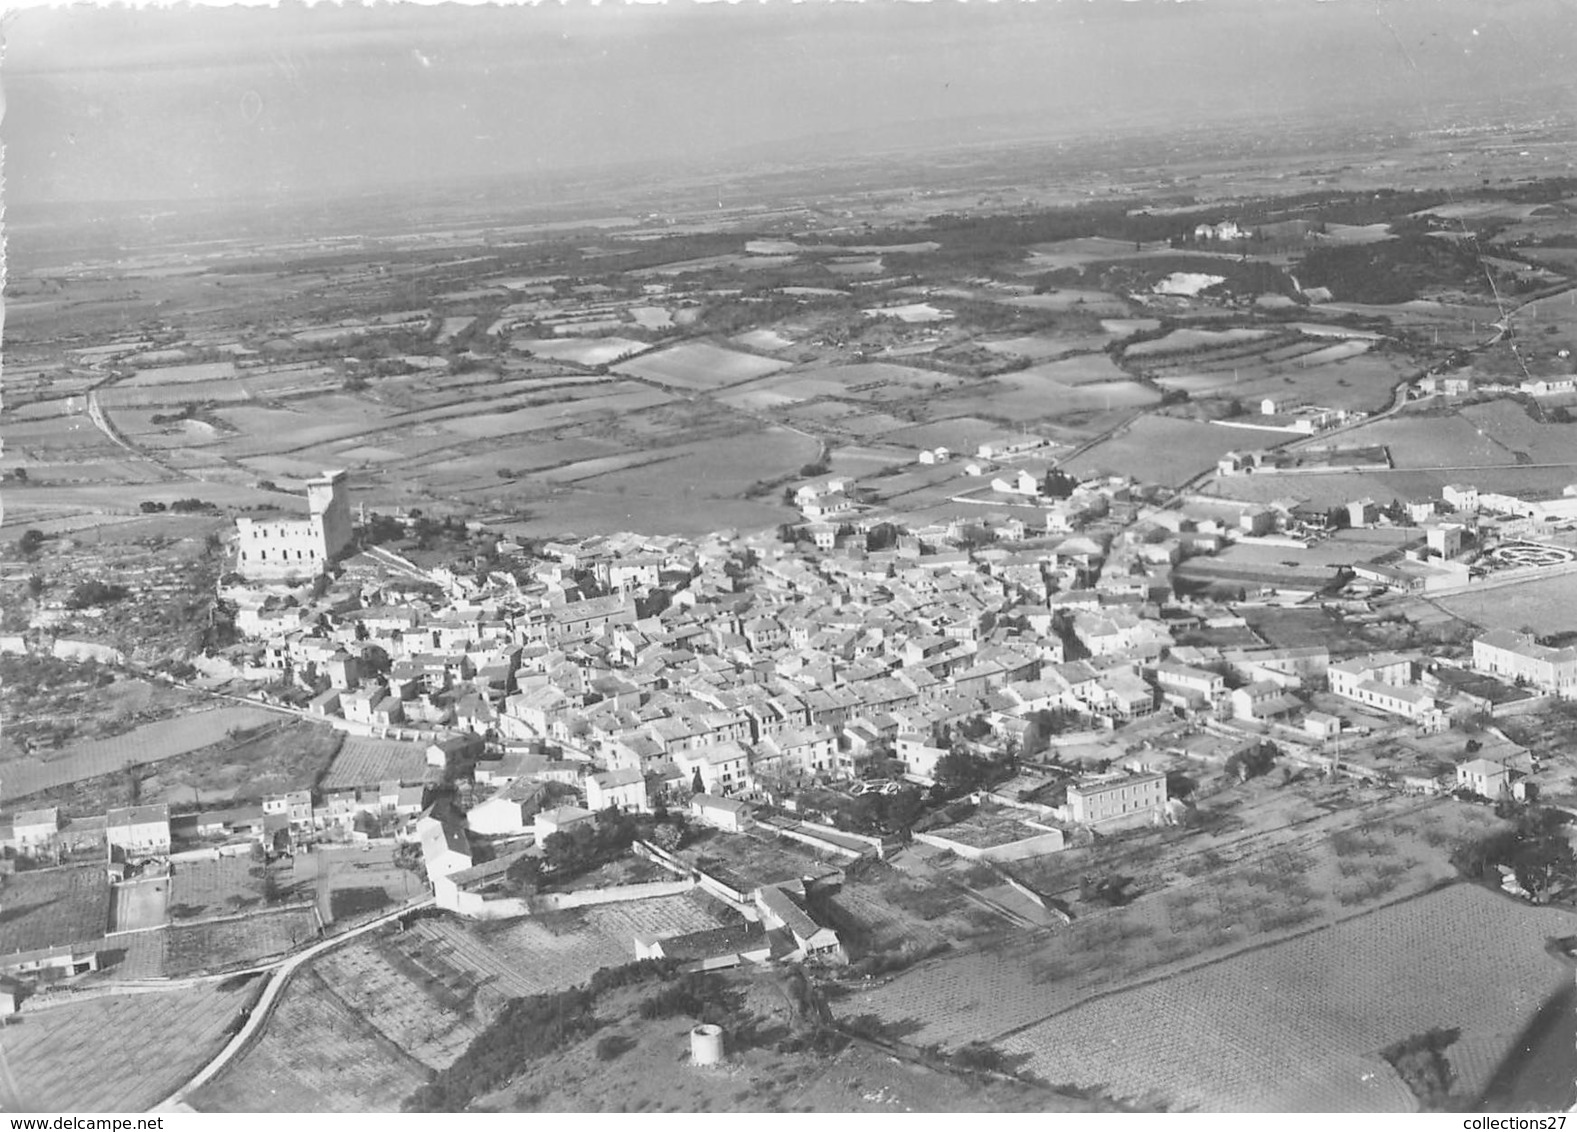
<point>102,422</point>
<point>282,972</point>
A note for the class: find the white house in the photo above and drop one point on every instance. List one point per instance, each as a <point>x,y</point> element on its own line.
<point>508,810</point>
<point>720,813</point>
<point>445,849</point>
<point>624,789</point>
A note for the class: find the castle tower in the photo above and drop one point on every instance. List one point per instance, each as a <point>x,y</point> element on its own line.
<point>298,548</point>
<point>329,502</point>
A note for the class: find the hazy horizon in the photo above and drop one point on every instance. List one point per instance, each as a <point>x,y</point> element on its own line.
<point>294,103</point>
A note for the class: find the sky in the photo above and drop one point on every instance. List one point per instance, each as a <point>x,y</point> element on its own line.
<point>255,102</point>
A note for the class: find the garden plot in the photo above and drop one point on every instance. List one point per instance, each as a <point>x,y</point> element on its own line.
<point>353,883</point>
<point>581,351</point>
<point>1298,1026</point>
<point>563,949</point>
<point>317,1054</point>
<point>369,762</point>
<point>410,993</point>
<point>700,365</point>
<point>222,945</point>
<point>120,1053</point>
<point>203,889</point>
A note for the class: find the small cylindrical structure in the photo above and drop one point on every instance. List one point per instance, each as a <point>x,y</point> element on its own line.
<point>706,1045</point>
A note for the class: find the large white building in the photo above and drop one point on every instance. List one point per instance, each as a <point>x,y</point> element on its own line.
<point>1382,681</point>
<point>282,548</point>
<point>1517,656</point>
<point>1107,798</point>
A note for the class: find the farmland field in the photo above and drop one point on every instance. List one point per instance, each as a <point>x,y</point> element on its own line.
<point>225,944</point>
<point>1030,395</point>
<point>1297,1026</point>
<point>609,400</point>
<point>1037,347</point>
<point>1545,605</point>
<point>368,762</point>
<point>316,1054</point>
<point>1165,450</point>
<point>871,381</point>
<point>767,340</point>
<point>146,744</point>
<point>700,365</point>
<point>1509,425</point>
<point>556,951</point>
<point>1084,302</point>
<point>121,1053</point>
<point>411,993</point>
<point>1181,341</point>
<point>172,375</point>
<point>1338,377</point>
<point>962,436</point>
<point>350,884</point>
<point>719,468</point>
<point>199,889</point>
<point>230,390</point>
<point>1088,369</point>
<point>1434,441</point>
<point>53,907</point>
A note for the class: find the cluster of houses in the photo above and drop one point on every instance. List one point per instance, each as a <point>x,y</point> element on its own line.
<point>125,833</point>
<point>744,667</point>
<point>279,823</point>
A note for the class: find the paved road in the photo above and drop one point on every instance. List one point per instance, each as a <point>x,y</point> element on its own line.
<point>281,974</point>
